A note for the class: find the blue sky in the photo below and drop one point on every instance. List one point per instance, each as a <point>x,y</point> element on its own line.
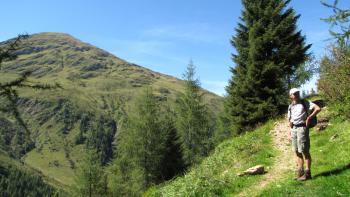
<point>162,35</point>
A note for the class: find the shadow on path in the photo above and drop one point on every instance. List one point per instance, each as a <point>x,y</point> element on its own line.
<point>334,171</point>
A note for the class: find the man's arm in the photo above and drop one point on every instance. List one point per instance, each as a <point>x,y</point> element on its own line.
<point>290,123</point>
<point>315,110</point>
<point>289,117</point>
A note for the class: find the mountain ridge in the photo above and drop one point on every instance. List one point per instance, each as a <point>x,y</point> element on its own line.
<point>94,84</point>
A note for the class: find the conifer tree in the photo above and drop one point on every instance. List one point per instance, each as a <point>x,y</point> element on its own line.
<point>91,180</point>
<point>150,136</point>
<point>340,24</point>
<point>141,147</point>
<point>269,52</point>
<point>193,125</point>
<point>172,163</point>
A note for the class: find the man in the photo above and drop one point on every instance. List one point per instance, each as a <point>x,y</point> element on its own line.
<point>299,119</point>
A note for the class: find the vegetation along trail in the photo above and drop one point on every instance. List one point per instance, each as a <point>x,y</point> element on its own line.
<point>283,162</point>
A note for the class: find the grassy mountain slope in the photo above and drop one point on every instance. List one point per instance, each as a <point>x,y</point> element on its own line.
<point>87,72</point>
<point>93,81</point>
<point>216,175</point>
<point>31,181</point>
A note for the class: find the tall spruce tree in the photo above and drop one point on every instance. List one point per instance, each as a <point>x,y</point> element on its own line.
<point>150,137</point>
<point>141,147</point>
<point>269,51</point>
<point>173,163</point>
<point>194,128</point>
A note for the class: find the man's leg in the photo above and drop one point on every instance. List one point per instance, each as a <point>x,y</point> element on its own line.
<point>307,161</point>
<point>298,156</point>
<point>307,174</point>
<point>300,162</point>
<point>306,153</point>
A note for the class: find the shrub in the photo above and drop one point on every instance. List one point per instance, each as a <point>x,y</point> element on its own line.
<point>334,79</point>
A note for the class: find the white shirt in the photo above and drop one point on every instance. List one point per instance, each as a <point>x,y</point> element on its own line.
<point>297,114</point>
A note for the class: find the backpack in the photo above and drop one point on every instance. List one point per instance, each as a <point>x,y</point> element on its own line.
<point>313,121</point>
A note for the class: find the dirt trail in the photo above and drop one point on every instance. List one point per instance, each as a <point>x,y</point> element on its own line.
<point>283,162</point>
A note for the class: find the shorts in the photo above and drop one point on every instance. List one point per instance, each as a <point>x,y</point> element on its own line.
<point>300,139</point>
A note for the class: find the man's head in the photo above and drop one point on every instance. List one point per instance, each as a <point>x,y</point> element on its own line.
<point>294,94</point>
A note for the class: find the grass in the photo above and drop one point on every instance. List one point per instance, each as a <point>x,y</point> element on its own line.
<point>330,169</point>
<point>217,174</point>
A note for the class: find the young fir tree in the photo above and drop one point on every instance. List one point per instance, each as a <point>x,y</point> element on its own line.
<point>193,125</point>
<point>269,51</point>
<point>141,148</point>
<point>172,163</point>
<point>91,180</point>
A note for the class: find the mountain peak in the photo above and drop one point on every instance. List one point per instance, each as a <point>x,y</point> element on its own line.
<point>53,35</point>
<point>56,38</point>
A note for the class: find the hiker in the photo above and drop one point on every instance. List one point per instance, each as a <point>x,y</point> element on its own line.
<point>300,118</point>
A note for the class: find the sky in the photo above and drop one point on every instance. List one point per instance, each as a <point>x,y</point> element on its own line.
<point>162,35</point>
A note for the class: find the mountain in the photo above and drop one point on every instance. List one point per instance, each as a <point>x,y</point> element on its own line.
<point>94,83</point>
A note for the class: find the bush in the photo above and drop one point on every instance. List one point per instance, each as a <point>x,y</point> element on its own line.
<point>334,79</point>
<point>335,75</point>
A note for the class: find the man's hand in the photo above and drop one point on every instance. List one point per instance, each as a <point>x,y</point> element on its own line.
<point>308,121</point>
<point>290,133</point>
<point>289,136</point>
<point>290,124</point>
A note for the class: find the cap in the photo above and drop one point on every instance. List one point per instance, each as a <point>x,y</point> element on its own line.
<point>293,90</point>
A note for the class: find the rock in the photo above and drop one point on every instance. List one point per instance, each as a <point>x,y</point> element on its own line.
<point>259,169</point>
<point>321,127</point>
<point>334,137</point>
<point>323,120</point>
<point>240,174</point>
<point>225,172</point>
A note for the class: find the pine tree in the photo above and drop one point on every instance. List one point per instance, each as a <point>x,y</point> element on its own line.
<point>150,136</point>
<point>269,52</point>
<point>91,180</point>
<point>141,147</point>
<point>172,163</point>
<point>194,128</point>
<point>340,24</point>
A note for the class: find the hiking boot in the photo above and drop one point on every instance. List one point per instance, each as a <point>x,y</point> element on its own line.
<point>306,176</point>
<point>299,173</point>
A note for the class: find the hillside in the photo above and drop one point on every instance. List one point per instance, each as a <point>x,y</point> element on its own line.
<point>94,83</point>
<point>268,145</point>
<point>17,179</point>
